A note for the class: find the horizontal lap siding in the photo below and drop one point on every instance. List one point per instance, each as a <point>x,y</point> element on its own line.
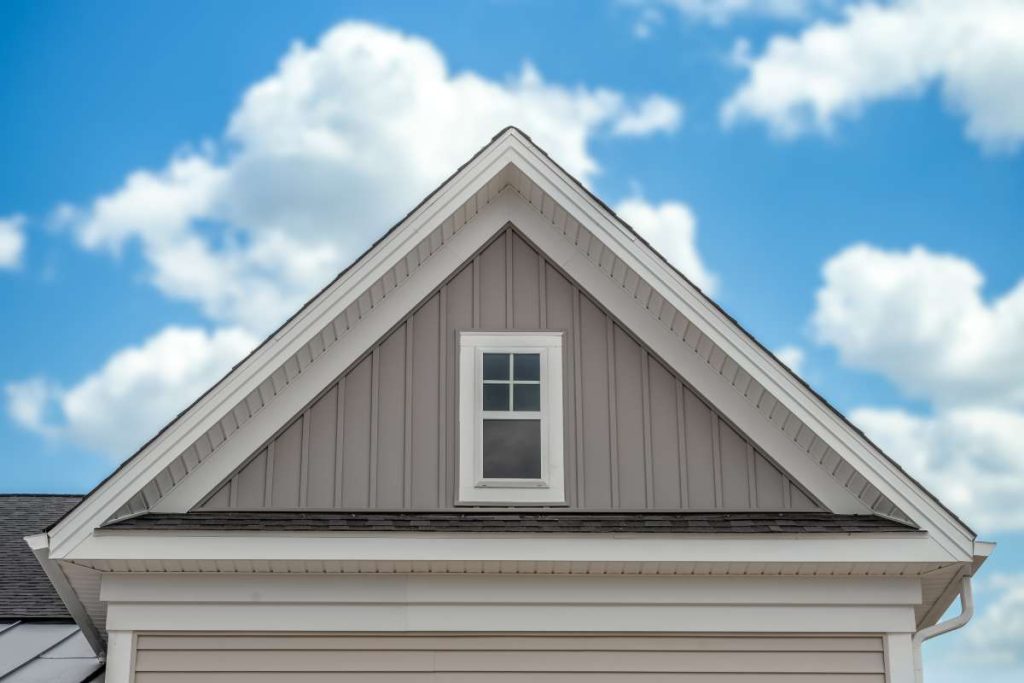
<point>383,435</point>
<point>219,658</point>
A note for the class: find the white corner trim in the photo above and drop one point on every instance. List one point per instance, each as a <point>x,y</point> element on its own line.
<point>550,488</point>
<point>120,656</point>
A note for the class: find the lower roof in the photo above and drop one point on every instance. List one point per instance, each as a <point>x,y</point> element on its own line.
<point>521,521</point>
<point>25,590</point>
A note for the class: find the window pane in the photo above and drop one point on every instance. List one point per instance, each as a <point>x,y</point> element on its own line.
<point>495,397</point>
<point>511,449</point>
<point>495,366</point>
<point>527,366</point>
<point>526,397</point>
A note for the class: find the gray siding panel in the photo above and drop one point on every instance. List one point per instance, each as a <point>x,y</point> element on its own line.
<point>384,434</point>
<point>517,658</point>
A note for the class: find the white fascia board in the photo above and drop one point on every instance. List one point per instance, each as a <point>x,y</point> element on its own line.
<point>436,547</point>
<point>710,384</point>
<point>259,617</point>
<point>335,360</point>
<point>178,436</point>
<point>476,603</point>
<point>797,398</point>
<point>412,589</point>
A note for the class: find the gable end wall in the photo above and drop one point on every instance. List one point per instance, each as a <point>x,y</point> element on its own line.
<point>384,434</point>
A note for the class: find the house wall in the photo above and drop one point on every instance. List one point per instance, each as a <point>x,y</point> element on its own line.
<point>764,658</point>
<point>383,435</point>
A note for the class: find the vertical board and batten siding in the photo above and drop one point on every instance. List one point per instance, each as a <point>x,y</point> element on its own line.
<point>383,435</point>
<point>574,658</point>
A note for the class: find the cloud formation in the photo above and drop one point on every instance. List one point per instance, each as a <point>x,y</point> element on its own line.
<point>671,228</point>
<point>323,155</point>
<point>319,158</point>
<point>919,319</point>
<point>116,408</point>
<point>973,52</point>
<point>12,241</point>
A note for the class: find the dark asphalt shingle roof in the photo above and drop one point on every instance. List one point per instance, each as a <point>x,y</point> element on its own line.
<point>521,521</point>
<point>25,591</point>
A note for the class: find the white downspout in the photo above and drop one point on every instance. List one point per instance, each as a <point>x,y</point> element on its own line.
<point>966,612</point>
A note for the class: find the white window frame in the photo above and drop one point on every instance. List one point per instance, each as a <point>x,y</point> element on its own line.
<point>549,488</point>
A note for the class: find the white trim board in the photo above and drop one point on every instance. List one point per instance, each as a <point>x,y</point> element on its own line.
<point>544,604</point>
<point>511,147</point>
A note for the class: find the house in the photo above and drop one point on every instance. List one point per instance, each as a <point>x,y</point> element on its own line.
<point>39,641</point>
<point>510,443</point>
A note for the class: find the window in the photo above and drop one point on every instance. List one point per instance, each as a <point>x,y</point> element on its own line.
<point>510,418</point>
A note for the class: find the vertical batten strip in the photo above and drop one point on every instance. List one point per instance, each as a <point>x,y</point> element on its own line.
<point>752,475</point>
<point>442,383</point>
<point>374,420</point>
<point>716,458</point>
<point>684,474</point>
<point>613,430</point>
<point>407,459</point>
<point>645,388</point>
<point>476,292</point>
<point>542,290</point>
<point>339,445</point>
<point>510,304</point>
<point>304,460</point>
<point>268,489</point>
<point>577,352</point>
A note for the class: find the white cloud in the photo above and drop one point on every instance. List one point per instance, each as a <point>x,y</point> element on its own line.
<point>324,154</point>
<point>117,408</point>
<point>971,458</point>
<point>655,114</point>
<point>671,228</point>
<point>919,319</point>
<point>973,51</point>
<point>792,356</point>
<point>12,241</point>
<point>996,636</point>
<point>319,158</point>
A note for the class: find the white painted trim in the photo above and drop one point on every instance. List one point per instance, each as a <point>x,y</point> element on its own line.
<point>39,544</point>
<point>120,656</point>
<point>899,660</point>
<point>335,360</point>
<point>688,364</point>
<point>545,604</point>
<point>512,147</point>
<point>167,446</point>
<point>780,383</point>
<point>473,488</point>
<point>607,548</point>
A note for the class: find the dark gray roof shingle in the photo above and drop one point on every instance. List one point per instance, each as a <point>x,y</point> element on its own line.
<point>522,521</point>
<point>25,591</point>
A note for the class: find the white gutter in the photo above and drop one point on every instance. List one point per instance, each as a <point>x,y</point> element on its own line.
<point>40,545</point>
<point>966,612</point>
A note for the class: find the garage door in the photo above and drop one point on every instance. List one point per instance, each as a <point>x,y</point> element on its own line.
<point>312,658</point>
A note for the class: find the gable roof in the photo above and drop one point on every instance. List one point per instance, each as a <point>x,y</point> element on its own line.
<point>25,592</point>
<point>418,243</point>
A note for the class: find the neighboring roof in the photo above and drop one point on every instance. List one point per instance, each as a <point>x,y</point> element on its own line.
<point>38,640</point>
<point>55,652</point>
<point>25,591</point>
<point>476,521</point>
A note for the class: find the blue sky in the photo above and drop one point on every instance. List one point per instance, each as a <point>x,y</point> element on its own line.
<point>858,154</point>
